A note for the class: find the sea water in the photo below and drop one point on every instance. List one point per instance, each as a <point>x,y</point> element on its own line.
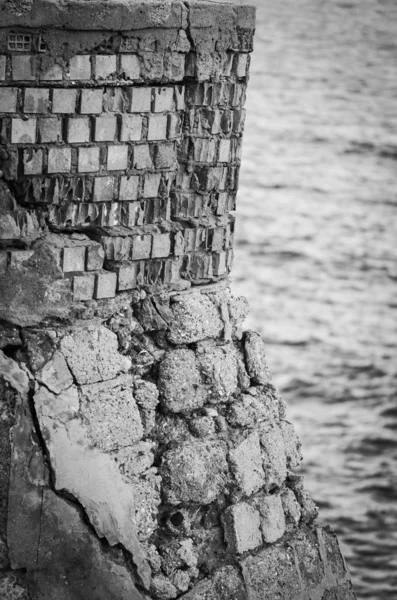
<point>316,255</point>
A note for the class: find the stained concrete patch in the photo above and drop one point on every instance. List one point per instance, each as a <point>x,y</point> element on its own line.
<point>179,382</point>
<point>92,354</point>
<point>194,472</point>
<point>195,318</point>
<point>111,414</point>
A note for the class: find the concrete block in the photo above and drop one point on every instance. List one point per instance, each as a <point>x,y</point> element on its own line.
<point>291,506</point>
<point>59,160</point>
<point>111,414</point>
<point>239,120</point>
<point>194,472</point>
<point>224,151</point>
<point>23,67</point>
<point>130,66</point>
<point>8,99</point>
<point>127,276</point>
<point>141,99</point>
<point>241,65</point>
<point>217,239</point>
<point>117,247</point>
<point>161,246</point>
<point>157,129</point>
<point>131,214</point>
<point>73,259</point>
<point>151,185</point>
<point>179,382</point>
<point>174,66</point>
<point>164,156</point>
<point>115,100</point>
<point>272,573</point>
<point>163,99</point>
<point>179,94</point>
<point>103,189</point>
<point>64,101</point>
<point>80,67</point>
<point>3,262</point>
<point>272,517</point>
<point>273,454</point>
<point>53,73</point>
<point>105,286</point>
<point>92,354</point>
<point>195,318</point>
<point>105,66</point>
<point>174,128</point>
<point>292,444</point>
<point>32,162</point>
<point>18,257</point>
<point>219,264</point>
<point>91,101</point>
<point>105,129</point>
<point>131,128</point>
<point>3,63</point>
<point>141,247</point>
<point>241,526</point>
<point>117,158</point>
<point>88,161</point>
<point>129,187</point>
<point>246,461</point>
<point>83,287</point>
<point>94,257</point>
<point>204,150</point>
<point>141,157</point>
<point>255,361</point>
<point>78,130</point>
<point>23,132</point>
<point>36,100</point>
<point>50,130</point>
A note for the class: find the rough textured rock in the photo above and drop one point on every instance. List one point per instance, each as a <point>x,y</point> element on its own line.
<point>195,318</point>
<point>255,360</point>
<point>194,472</point>
<point>110,413</point>
<point>144,453</point>
<point>92,354</point>
<point>179,382</point>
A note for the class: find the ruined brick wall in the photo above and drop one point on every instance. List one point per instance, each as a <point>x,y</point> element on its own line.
<point>144,452</point>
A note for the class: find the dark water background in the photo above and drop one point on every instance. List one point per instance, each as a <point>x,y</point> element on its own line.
<point>316,256</point>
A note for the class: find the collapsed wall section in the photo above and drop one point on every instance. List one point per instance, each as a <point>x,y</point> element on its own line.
<point>144,452</point>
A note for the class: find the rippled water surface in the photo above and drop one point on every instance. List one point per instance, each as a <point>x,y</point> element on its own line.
<point>316,256</point>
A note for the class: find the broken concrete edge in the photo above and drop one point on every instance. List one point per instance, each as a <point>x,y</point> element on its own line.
<point>31,454</point>
<point>119,15</point>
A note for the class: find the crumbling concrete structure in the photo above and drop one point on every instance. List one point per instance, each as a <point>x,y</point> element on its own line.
<point>144,450</point>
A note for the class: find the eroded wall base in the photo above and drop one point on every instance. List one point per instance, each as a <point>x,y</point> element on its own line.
<point>148,455</point>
